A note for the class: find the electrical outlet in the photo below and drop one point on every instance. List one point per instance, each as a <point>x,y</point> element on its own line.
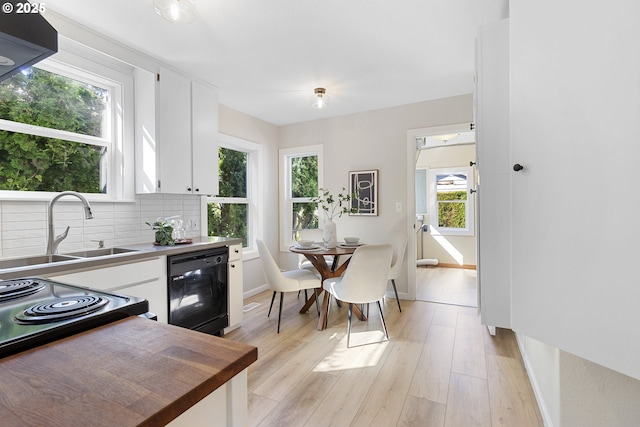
<point>195,225</point>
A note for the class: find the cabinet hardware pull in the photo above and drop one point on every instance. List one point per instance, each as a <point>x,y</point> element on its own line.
<point>472,191</point>
<point>188,188</point>
<point>233,266</point>
<point>472,163</point>
<point>518,167</point>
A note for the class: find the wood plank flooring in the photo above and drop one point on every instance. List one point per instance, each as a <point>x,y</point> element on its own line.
<point>456,286</point>
<point>440,368</point>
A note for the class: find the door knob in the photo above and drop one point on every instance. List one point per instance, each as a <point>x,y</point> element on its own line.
<point>518,167</point>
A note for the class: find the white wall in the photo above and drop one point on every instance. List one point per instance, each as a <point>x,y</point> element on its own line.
<point>374,140</point>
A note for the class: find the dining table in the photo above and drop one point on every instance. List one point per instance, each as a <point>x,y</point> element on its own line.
<point>317,254</point>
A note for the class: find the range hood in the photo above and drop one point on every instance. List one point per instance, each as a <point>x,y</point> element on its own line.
<point>25,38</point>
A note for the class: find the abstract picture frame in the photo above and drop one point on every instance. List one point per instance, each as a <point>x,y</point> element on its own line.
<point>363,189</point>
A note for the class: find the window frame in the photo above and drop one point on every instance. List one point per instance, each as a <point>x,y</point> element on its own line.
<point>254,221</point>
<point>469,230</point>
<point>286,201</point>
<point>88,66</point>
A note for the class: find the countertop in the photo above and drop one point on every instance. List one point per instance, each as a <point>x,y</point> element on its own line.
<point>142,251</point>
<point>134,372</point>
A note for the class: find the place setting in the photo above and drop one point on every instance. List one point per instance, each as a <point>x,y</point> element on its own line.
<point>350,242</point>
<point>307,245</point>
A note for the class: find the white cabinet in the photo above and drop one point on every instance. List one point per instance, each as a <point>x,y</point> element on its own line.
<point>146,279</point>
<point>176,148</point>
<point>235,291</point>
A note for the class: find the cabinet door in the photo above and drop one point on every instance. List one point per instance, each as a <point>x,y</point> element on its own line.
<point>236,290</point>
<point>205,139</point>
<point>575,207</point>
<point>174,132</point>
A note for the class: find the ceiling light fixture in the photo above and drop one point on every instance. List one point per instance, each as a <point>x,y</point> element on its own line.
<point>320,99</point>
<point>176,11</point>
<point>446,137</point>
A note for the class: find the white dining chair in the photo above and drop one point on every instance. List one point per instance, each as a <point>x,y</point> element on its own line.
<point>285,281</point>
<point>364,281</point>
<point>398,240</point>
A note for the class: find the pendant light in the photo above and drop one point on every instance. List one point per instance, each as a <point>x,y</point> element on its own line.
<point>320,99</point>
<point>176,11</point>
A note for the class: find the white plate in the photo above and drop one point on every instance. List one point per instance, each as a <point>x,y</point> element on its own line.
<point>348,246</point>
<point>308,248</point>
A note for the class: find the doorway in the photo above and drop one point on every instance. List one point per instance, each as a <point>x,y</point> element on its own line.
<point>443,186</point>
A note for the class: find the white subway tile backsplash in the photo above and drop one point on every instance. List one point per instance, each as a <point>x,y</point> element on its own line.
<point>23,225</point>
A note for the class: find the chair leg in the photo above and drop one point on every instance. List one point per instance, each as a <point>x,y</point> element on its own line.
<point>384,326</point>
<point>306,298</point>
<point>271,306</point>
<point>280,311</point>
<point>393,282</point>
<point>349,323</point>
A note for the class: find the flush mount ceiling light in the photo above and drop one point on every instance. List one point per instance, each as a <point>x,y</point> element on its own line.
<point>320,99</point>
<point>446,137</point>
<point>176,11</point>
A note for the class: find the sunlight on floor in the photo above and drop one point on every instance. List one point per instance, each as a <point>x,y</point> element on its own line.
<point>367,349</point>
<point>447,246</point>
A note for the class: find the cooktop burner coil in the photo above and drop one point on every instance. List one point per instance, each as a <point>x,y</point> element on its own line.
<point>13,289</point>
<point>61,308</point>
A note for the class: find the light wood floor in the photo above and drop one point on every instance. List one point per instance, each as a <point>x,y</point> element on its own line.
<point>440,368</point>
<point>447,285</point>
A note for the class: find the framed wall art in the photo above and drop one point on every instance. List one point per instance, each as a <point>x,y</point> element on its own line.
<point>363,189</point>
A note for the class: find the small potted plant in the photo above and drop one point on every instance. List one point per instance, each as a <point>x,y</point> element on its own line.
<point>332,206</point>
<point>164,232</point>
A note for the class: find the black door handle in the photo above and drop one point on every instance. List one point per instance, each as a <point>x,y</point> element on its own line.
<point>518,167</point>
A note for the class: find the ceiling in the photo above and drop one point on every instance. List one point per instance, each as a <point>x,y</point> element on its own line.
<point>267,56</point>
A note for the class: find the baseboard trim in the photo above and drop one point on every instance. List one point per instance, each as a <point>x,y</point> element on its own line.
<point>255,291</point>
<point>544,412</point>
<point>452,265</point>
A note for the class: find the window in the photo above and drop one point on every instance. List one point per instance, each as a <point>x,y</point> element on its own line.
<point>62,128</point>
<point>451,211</point>
<point>233,212</point>
<point>300,171</point>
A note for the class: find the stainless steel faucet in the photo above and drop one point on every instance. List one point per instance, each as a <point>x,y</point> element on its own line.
<point>52,240</point>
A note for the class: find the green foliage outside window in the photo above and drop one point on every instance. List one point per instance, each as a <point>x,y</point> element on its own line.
<point>38,163</point>
<point>304,183</point>
<point>452,214</point>
<point>230,219</point>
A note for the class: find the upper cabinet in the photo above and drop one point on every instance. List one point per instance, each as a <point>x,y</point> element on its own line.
<point>176,144</point>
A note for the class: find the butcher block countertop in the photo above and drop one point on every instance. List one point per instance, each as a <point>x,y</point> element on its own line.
<point>133,372</point>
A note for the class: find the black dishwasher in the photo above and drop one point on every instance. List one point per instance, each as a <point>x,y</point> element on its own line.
<point>198,290</point>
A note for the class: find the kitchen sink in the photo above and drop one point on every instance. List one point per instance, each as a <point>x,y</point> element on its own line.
<point>34,260</point>
<point>101,252</point>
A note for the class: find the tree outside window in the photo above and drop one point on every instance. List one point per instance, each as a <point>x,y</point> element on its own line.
<point>228,212</point>
<point>53,133</point>
<point>304,187</point>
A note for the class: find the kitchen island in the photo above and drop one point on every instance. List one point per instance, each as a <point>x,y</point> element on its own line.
<point>133,372</point>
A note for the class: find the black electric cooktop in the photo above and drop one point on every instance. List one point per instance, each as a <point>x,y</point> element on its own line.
<point>36,311</point>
